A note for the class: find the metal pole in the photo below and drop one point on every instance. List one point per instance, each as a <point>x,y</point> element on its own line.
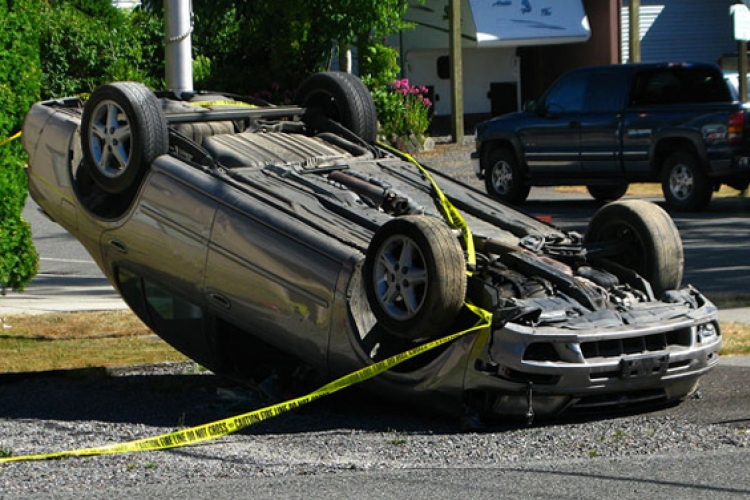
<point>634,14</point>
<point>742,69</point>
<point>457,81</point>
<point>179,27</point>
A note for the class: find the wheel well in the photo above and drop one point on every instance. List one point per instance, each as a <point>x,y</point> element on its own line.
<point>666,147</point>
<point>487,147</point>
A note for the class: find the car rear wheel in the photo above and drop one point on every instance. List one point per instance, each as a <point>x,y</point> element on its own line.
<point>503,178</point>
<point>604,194</point>
<point>341,97</point>
<point>415,277</point>
<point>685,186</point>
<point>123,129</point>
<point>643,237</point>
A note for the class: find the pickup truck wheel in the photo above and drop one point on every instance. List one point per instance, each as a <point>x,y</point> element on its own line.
<point>685,186</point>
<point>608,193</point>
<point>123,130</point>
<point>642,237</point>
<point>503,178</point>
<point>415,276</point>
<point>341,97</point>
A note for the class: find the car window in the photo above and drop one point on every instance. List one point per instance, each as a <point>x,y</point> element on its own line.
<point>165,311</point>
<point>680,85</point>
<point>567,95</point>
<point>605,92</point>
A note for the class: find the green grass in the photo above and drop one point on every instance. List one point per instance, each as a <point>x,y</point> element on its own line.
<point>31,343</point>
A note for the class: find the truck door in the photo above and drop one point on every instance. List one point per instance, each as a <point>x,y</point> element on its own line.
<point>551,141</point>
<point>601,124</point>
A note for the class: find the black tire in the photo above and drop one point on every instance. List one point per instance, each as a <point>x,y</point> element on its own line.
<point>123,130</point>
<point>607,193</point>
<point>422,256</point>
<point>503,177</point>
<point>343,98</point>
<point>648,241</point>
<point>684,184</point>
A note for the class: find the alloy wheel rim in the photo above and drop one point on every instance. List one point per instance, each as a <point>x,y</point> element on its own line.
<point>401,277</point>
<point>110,139</point>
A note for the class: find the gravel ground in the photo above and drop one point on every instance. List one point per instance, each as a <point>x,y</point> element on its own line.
<point>344,432</point>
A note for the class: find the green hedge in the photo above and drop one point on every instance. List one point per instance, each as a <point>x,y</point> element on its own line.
<point>87,43</point>
<point>19,88</point>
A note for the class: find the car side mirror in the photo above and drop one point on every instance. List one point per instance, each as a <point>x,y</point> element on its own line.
<point>531,106</point>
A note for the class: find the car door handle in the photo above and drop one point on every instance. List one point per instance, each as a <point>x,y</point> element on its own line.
<point>119,246</point>
<point>221,300</point>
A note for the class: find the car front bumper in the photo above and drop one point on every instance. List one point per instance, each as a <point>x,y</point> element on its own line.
<point>526,370</point>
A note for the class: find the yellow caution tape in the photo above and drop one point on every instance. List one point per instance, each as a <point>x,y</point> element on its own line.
<point>230,425</point>
<point>451,214</point>
<point>11,138</point>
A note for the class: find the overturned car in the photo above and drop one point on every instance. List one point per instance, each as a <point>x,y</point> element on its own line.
<point>244,234</point>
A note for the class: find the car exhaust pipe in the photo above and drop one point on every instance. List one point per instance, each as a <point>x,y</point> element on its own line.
<point>385,199</point>
<point>179,60</point>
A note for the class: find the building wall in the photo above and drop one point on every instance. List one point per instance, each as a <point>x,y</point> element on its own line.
<point>481,67</point>
<point>681,30</point>
<point>540,66</point>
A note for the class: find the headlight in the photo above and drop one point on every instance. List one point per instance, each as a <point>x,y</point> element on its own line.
<point>707,332</point>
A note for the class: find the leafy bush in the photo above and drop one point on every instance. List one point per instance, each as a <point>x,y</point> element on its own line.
<point>86,43</point>
<point>378,64</point>
<point>19,84</point>
<point>403,110</point>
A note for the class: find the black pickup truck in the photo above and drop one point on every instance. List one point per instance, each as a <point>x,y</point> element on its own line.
<point>607,126</point>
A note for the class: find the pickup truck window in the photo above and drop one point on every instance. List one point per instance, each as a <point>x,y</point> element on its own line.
<point>678,86</point>
<point>605,91</point>
<point>568,94</point>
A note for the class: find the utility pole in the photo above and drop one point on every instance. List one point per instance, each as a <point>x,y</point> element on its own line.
<point>178,50</point>
<point>634,14</point>
<point>457,79</point>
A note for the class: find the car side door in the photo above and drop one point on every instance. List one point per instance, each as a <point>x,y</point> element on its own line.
<point>601,124</point>
<point>551,140</point>
<point>166,236</point>
<point>269,272</point>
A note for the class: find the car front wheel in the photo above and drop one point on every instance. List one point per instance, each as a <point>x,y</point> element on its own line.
<point>503,178</point>
<point>415,277</point>
<point>641,236</point>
